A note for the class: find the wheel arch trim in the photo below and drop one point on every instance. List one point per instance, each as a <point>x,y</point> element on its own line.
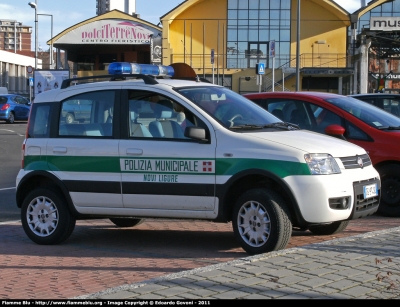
<point>31,179</point>
<point>223,192</point>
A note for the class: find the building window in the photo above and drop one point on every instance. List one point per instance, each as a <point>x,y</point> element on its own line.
<point>255,23</point>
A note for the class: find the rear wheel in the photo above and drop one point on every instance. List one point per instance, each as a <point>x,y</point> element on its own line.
<point>390,190</point>
<point>329,229</point>
<point>261,221</point>
<point>126,222</point>
<point>11,118</point>
<point>46,218</point>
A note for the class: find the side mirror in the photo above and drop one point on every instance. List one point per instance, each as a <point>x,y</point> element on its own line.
<point>195,133</point>
<point>336,131</point>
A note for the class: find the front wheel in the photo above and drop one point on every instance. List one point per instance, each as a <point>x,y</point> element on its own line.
<point>46,218</point>
<point>126,222</point>
<point>390,190</point>
<point>329,229</point>
<point>261,221</point>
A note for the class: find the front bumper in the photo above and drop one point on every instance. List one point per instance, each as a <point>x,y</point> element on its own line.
<point>365,207</point>
<point>313,194</point>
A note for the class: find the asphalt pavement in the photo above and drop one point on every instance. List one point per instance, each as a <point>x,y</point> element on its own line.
<point>364,266</point>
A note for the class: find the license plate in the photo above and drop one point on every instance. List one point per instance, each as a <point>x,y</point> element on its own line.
<point>370,190</point>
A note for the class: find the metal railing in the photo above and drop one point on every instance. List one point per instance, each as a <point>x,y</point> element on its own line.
<point>201,62</point>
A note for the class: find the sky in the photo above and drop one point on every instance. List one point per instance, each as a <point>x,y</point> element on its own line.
<point>67,13</point>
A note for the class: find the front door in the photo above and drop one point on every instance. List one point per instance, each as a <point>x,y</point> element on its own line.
<point>163,172</point>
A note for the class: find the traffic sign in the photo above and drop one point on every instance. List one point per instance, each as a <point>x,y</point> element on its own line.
<point>260,68</point>
<point>272,49</point>
<point>31,81</point>
<point>212,56</point>
<point>29,69</point>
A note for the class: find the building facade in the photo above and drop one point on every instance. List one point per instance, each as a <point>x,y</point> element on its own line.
<point>13,72</point>
<point>15,37</point>
<point>241,34</point>
<point>379,27</point>
<point>114,36</point>
<point>312,45</point>
<point>126,6</point>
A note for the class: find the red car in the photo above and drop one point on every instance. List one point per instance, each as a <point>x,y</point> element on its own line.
<point>361,123</point>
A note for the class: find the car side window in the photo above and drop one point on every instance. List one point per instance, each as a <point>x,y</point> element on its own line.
<point>291,110</point>
<point>18,100</point>
<point>353,132</point>
<point>325,118</point>
<point>303,113</point>
<point>155,116</point>
<point>39,126</point>
<point>87,115</point>
<point>391,106</point>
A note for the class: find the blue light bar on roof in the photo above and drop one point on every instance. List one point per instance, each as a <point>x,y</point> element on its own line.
<point>118,68</point>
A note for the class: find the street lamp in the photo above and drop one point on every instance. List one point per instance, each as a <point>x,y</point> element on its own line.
<point>51,44</point>
<point>34,6</point>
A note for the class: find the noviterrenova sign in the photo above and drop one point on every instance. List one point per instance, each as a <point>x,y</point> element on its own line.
<point>109,31</point>
<point>384,23</point>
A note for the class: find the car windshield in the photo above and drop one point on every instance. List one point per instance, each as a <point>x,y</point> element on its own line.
<point>229,108</point>
<point>369,114</point>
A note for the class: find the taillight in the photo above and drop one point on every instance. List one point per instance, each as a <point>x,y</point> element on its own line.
<point>5,106</point>
<point>23,155</point>
<point>27,126</point>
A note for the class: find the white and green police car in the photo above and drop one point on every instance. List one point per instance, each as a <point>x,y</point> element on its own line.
<point>159,147</point>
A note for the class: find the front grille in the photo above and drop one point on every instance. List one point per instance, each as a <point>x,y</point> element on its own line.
<point>352,162</point>
<point>364,207</point>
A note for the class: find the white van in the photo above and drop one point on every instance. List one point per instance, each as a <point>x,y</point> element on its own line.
<point>3,90</point>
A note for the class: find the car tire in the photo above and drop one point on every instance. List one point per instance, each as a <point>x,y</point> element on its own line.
<point>261,221</point>
<point>11,118</point>
<point>69,118</point>
<point>390,190</point>
<point>329,229</point>
<point>46,218</point>
<point>126,222</point>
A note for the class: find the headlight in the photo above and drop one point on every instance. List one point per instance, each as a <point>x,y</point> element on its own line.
<point>322,164</point>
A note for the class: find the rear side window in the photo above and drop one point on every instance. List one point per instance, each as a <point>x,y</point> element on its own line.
<point>87,115</point>
<point>39,121</point>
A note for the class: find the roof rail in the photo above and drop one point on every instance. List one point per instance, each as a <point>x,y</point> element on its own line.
<point>75,81</point>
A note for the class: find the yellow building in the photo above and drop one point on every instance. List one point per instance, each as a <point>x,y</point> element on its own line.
<point>224,39</point>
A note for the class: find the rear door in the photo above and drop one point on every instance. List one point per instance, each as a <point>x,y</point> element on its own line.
<point>84,154</point>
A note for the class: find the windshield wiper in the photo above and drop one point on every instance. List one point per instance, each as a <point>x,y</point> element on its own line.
<point>283,125</point>
<point>389,128</point>
<point>278,125</point>
<point>247,127</point>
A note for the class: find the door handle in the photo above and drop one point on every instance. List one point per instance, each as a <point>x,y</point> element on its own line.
<point>59,149</point>
<point>134,151</point>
